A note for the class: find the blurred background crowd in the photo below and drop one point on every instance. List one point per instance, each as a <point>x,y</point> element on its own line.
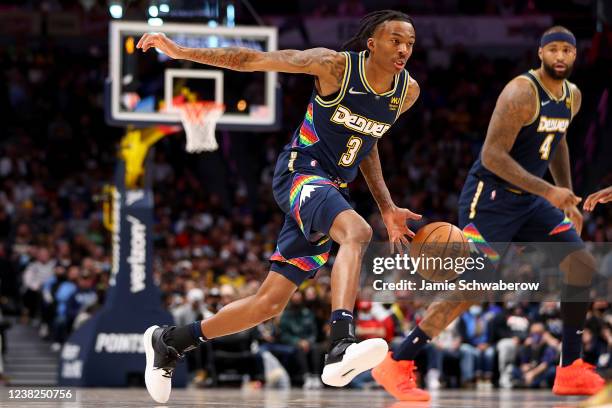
<point>213,236</point>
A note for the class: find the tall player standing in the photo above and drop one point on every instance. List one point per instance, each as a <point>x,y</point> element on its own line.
<point>505,198</point>
<point>357,97</point>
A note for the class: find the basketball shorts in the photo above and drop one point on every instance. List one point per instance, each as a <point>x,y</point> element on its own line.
<point>311,200</point>
<point>493,215</point>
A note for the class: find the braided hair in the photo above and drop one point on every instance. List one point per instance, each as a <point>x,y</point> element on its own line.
<point>369,23</point>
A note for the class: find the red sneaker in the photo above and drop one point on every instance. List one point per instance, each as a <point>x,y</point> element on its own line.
<point>399,380</point>
<point>579,378</point>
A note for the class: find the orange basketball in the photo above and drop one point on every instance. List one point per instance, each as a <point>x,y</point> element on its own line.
<point>438,245</point>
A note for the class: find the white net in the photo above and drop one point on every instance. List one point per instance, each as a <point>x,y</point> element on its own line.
<point>200,120</point>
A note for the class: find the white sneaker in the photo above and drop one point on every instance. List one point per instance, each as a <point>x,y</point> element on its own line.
<point>161,362</point>
<point>347,359</point>
<point>432,379</point>
<point>315,382</point>
<point>505,379</point>
<point>307,382</point>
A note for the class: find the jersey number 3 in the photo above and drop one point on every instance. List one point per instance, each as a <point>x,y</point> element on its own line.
<point>546,145</point>
<point>353,145</point>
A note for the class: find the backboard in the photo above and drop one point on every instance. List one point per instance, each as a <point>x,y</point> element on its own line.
<point>141,86</point>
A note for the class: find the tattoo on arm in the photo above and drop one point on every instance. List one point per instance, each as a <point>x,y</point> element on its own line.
<point>236,58</point>
<point>414,90</point>
<point>576,99</point>
<point>560,165</point>
<point>324,63</point>
<point>515,107</point>
<point>372,172</point>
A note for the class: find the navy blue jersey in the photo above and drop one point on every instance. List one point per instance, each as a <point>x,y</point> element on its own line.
<point>338,131</point>
<point>536,142</point>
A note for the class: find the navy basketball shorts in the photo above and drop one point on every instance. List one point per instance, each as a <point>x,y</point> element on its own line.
<point>311,201</point>
<point>492,215</point>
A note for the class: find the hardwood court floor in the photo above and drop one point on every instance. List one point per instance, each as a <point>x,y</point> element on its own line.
<point>328,398</point>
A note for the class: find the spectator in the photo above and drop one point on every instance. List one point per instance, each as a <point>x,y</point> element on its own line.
<point>192,309</point>
<point>298,329</point>
<point>537,359</point>
<point>366,325</point>
<point>34,276</point>
<point>235,352</point>
<point>473,331</point>
<point>509,328</point>
<point>66,309</point>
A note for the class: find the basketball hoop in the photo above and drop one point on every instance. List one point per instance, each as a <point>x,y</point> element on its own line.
<point>200,120</point>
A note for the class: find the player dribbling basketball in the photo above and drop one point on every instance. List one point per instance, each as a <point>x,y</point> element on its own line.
<point>357,97</point>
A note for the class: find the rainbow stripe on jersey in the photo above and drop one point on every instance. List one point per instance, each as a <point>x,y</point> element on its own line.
<point>299,181</point>
<point>565,225</point>
<point>472,234</point>
<point>308,134</point>
<point>305,263</point>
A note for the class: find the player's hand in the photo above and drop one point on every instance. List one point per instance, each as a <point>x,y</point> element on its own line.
<point>161,42</point>
<point>574,214</point>
<point>602,196</point>
<point>562,197</point>
<point>395,220</point>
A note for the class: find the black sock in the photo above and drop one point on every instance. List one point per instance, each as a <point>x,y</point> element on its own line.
<point>573,314</point>
<point>412,344</point>
<point>185,338</point>
<point>341,325</point>
<point>341,314</point>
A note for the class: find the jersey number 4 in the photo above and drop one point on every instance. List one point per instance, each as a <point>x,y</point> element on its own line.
<point>546,145</point>
<point>353,145</point>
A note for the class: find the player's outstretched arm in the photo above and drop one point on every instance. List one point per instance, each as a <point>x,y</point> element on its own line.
<point>326,64</point>
<point>516,107</point>
<point>602,196</point>
<point>395,218</point>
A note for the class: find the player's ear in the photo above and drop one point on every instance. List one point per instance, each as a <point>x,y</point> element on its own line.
<point>540,53</point>
<point>370,44</point>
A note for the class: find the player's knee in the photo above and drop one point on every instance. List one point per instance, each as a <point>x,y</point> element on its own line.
<point>579,267</point>
<point>360,233</point>
<point>267,307</point>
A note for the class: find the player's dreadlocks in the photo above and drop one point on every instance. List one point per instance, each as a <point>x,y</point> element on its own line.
<point>368,25</point>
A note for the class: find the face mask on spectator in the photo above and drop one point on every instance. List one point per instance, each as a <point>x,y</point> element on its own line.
<point>475,310</point>
<point>536,337</point>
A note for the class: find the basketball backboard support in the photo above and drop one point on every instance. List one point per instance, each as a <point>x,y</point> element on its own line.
<point>141,86</point>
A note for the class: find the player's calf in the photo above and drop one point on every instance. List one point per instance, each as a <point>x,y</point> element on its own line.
<point>578,268</point>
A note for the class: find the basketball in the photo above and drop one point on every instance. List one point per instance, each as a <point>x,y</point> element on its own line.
<point>439,244</point>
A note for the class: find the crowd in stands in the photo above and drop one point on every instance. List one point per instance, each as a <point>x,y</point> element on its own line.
<point>212,240</point>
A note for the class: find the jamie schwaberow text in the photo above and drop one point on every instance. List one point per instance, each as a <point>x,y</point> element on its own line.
<point>462,284</point>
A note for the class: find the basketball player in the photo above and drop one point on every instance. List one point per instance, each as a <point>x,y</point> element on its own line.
<point>601,196</point>
<point>356,98</point>
<point>505,198</point>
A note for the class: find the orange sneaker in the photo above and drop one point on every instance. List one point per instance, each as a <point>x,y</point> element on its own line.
<point>578,378</point>
<point>399,380</point>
